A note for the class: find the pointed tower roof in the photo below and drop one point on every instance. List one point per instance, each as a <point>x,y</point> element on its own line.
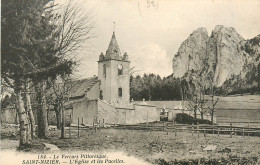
<point>113,51</point>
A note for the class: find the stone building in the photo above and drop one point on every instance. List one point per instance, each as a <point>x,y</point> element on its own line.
<point>106,98</point>
<point>113,73</point>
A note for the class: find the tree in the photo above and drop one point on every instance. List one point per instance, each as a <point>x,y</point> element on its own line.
<point>74,28</point>
<point>191,97</point>
<point>136,87</point>
<point>29,110</point>
<point>212,107</point>
<point>153,87</point>
<point>69,31</point>
<point>196,85</point>
<point>213,101</point>
<point>58,95</point>
<point>19,20</point>
<point>37,44</point>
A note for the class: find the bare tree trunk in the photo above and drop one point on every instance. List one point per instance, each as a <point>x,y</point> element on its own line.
<point>42,112</point>
<point>58,116</point>
<point>16,115</point>
<point>30,112</point>
<point>201,115</point>
<point>23,120</point>
<point>195,113</point>
<point>212,116</point>
<point>62,121</point>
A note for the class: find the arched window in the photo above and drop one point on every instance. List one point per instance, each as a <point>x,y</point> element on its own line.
<point>101,95</point>
<point>104,70</point>
<point>120,92</point>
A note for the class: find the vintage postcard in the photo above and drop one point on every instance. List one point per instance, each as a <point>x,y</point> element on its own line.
<point>130,82</point>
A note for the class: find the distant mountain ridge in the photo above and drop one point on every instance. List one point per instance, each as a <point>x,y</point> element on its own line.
<point>232,60</point>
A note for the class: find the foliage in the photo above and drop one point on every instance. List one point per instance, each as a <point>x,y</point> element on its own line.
<point>37,45</point>
<point>57,95</point>
<point>153,87</point>
<point>183,118</point>
<point>238,85</point>
<point>37,42</point>
<point>195,84</point>
<point>231,159</point>
<point>29,42</point>
<point>8,101</point>
<point>251,45</point>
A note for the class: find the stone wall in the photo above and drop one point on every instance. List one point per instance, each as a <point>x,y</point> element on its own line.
<point>107,112</point>
<point>88,110</point>
<point>9,116</point>
<point>85,110</point>
<point>52,117</point>
<point>130,115</point>
<point>146,113</point>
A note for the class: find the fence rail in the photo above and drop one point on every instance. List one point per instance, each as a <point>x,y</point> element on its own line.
<point>199,128</point>
<point>176,128</point>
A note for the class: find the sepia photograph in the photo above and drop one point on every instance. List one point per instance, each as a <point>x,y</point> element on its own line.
<point>130,82</point>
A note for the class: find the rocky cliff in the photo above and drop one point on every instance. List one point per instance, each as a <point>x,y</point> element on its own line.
<point>224,54</point>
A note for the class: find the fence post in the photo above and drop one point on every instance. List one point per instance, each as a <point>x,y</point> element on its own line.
<point>70,126</point>
<point>82,125</point>
<point>95,125</point>
<point>82,121</point>
<point>230,130</point>
<point>213,129</point>
<point>248,129</point>
<point>166,128</point>
<point>243,131</point>
<point>198,127</point>
<point>218,130</point>
<point>70,131</point>
<point>175,129</point>
<point>163,125</point>
<point>78,127</point>
<point>192,128</point>
<point>204,131</point>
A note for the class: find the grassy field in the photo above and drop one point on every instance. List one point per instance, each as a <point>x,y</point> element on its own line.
<point>158,147</point>
<point>155,147</point>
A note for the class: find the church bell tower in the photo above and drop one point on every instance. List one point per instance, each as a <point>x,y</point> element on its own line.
<point>113,72</point>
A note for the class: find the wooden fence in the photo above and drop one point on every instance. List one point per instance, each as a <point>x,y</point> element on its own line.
<point>167,127</point>
<point>198,128</point>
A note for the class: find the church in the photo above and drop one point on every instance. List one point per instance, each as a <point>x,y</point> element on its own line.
<point>106,98</point>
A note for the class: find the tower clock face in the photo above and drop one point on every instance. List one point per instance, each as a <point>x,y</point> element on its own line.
<point>120,67</point>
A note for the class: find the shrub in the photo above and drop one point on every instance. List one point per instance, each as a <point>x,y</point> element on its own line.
<point>183,118</point>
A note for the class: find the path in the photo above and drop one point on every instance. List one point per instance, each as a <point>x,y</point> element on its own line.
<point>50,147</point>
<point>7,144</point>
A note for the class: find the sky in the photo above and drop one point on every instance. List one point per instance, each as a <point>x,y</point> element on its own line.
<point>151,31</point>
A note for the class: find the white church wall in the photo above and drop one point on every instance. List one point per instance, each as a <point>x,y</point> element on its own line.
<point>86,109</point>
